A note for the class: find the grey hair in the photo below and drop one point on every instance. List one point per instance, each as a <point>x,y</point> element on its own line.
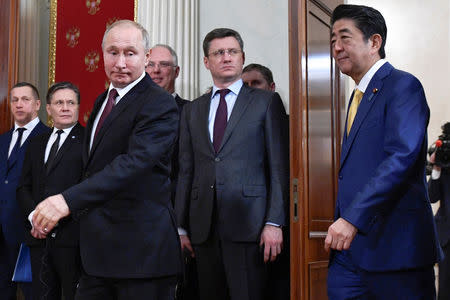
<point>172,52</point>
<point>144,32</point>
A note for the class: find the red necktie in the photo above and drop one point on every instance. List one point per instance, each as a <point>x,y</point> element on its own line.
<point>220,122</point>
<point>107,110</point>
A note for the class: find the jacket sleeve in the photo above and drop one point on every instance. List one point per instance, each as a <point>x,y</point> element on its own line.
<point>186,170</point>
<point>277,137</point>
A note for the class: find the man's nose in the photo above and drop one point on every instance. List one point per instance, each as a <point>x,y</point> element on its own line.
<point>120,62</point>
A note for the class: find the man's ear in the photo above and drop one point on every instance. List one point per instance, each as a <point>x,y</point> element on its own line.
<point>376,40</point>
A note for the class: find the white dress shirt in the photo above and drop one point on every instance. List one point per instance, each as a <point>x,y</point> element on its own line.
<point>230,99</point>
<point>29,128</point>
<point>53,138</point>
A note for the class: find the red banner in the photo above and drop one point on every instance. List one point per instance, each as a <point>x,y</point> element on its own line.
<point>75,54</point>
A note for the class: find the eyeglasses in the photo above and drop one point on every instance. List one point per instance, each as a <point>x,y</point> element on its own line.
<point>60,103</point>
<point>161,65</point>
<point>221,52</point>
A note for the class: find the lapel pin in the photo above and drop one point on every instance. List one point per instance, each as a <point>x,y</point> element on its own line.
<point>374,91</point>
<point>73,136</point>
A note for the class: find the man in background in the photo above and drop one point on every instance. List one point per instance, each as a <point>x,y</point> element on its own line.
<point>53,163</point>
<point>163,68</point>
<point>439,190</point>
<point>232,191</point>
<point>24,104</point>
<point>258,76</point>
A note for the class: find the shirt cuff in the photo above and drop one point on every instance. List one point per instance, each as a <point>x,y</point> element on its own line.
<point>273,224</point>
<point>30,218</point>
<point>435,174</point>
<point>182,231</point>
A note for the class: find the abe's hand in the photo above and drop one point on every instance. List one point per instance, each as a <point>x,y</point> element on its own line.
<point>272,239</point>
<point>340,235</point>
<point>49,212</point>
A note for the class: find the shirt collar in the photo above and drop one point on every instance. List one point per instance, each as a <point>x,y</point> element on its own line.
<point>29,126</point>
<point>362,86</point>
<point>235,87</point>
<point>122,91</point>
<point>66,130</point>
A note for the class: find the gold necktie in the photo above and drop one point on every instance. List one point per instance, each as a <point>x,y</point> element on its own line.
<point>357,96</point>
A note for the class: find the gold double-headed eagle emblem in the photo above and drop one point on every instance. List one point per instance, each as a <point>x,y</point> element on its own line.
<point>93,6</point>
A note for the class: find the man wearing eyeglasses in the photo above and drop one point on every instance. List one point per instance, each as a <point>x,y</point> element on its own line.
<point>163,70</point>
<point>53,163</point>
<point>232,191</point>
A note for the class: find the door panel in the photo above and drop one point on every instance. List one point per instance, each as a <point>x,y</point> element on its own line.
<point>317,107</point>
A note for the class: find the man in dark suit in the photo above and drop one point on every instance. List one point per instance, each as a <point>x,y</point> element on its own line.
<point>128,240</point>
<point>232,190</point>
<point>384,237</point>
<point>24,103</point>
<point>439,190</point>
<point>53,163</point>
<point>163,69</point>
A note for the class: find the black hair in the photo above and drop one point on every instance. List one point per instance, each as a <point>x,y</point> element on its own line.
<point>60,86</point>
<point>367,19</point>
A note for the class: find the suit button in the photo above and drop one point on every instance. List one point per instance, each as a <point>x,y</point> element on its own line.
<point>212,186</point>
<point>340,176</point>
<point>6,181</point>
<point>53,235</point>
<point>217,159</point>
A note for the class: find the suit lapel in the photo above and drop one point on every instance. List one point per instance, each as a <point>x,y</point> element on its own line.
<point>39,128</point>
<point>203,116</point>
<point>4,149</point>
<point>369,98</point>
<point>119,108</point>
<point>242,102</point>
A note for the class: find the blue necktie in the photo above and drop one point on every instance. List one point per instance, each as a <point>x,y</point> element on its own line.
<point>16,147</point>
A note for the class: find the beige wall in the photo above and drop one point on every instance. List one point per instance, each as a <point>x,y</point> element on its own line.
<point>418,41</point>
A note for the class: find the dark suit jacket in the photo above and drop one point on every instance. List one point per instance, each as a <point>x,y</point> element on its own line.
<point>175,166</point>
<point>382,188</point>
<point>439,190</point>
<point>10,215</point>
<point>128,228</point>
<point>249,173</point>
<point>35,185</point>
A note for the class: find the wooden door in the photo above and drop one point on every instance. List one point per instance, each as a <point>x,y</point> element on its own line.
<point>316,117</point>
<point>8,58</point>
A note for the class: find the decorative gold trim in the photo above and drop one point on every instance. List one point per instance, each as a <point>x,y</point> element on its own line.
<point>52,42</point>
<point>135,10</point>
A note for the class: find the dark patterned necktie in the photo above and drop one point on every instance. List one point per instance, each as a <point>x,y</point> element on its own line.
<point>16,147</point>
<point>107,110</point>
<point>53,151</point>
<point>220,122</point>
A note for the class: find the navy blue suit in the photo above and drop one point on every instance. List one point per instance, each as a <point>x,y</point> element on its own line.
<point>382,189</point>
<point>11,220</point>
